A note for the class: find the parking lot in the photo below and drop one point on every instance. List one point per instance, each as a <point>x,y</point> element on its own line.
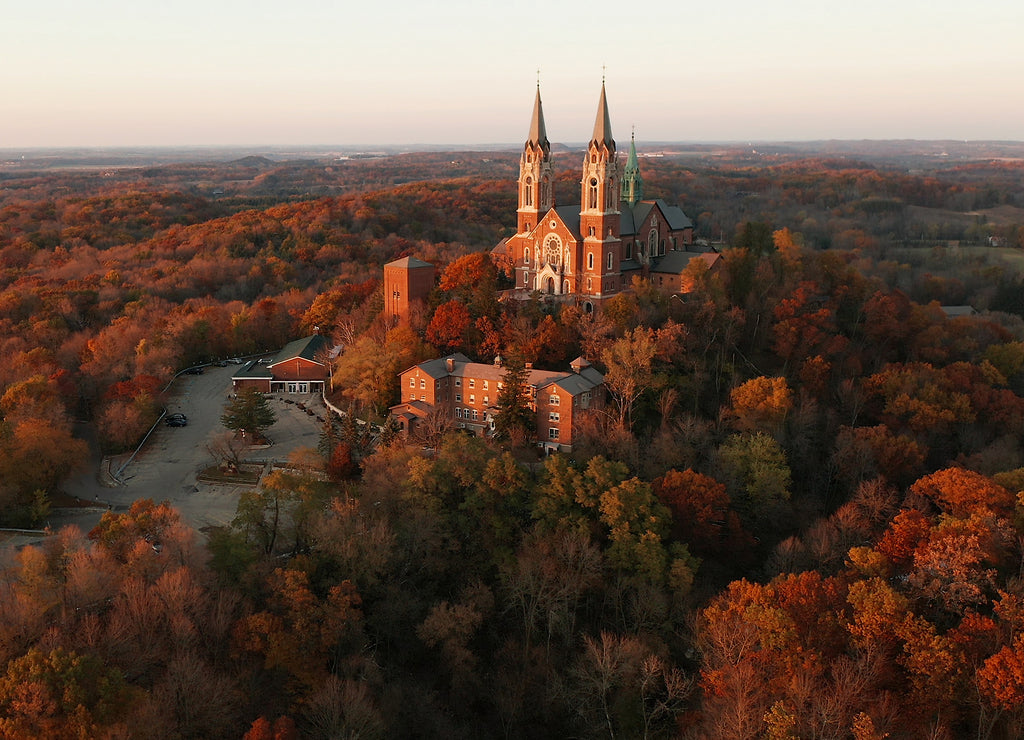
<point>167,466</point>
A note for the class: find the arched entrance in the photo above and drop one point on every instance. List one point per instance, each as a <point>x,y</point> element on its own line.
<point>551,286</point>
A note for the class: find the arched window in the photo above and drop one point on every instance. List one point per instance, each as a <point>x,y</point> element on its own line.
<point>590,261</point>
<point>526,255</point>
<point>592,193</point>
<point>652,243</point>
<point>545,191</point>
<point>528,192</point>
<point>565,287</point>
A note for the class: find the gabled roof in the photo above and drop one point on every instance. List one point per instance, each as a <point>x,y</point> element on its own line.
<point>673,263</point>
<point>408,263</point>
<point>673,215</point>
<point>461,367</point>
<point>570,216</point>
<point>677,220</point>
<point>253,370</point>
<point>304,348</point>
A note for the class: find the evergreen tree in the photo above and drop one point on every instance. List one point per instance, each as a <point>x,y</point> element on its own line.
<point>515,420</point>
<point>249,411</point>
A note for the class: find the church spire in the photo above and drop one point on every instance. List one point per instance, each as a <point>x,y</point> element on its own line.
<point>603,124</point>
<point>632,183</point>
<point>538,134</point>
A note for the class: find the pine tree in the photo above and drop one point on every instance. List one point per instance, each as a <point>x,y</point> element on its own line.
<point>249,412</point>
<point>515,420</point>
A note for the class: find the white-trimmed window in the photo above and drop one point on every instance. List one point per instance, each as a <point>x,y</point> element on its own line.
<point>487,400</point>
<point>458,413</point>
<point>553,416</point>
<point>552,432</point>
<point>472,383</point>
<point>476,416</point>
<point>590,261</point>
<point>472,398</point>
<point>458,382</point>
<point>553,400</point>
<point>609,260</point>
<point>412,382</point>
<point>486,385</point>
<point>458,398</point>
<point>423,383</point>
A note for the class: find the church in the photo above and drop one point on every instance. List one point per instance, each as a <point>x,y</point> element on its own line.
<point>589,252</point>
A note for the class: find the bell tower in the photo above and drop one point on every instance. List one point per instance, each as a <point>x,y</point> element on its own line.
<point>632,183</point>
<point>535,174</point>
<point>599,207</point>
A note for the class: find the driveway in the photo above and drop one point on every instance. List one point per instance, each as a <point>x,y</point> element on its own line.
<point>167,466</point>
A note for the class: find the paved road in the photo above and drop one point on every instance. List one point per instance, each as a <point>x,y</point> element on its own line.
<point>166,467</point>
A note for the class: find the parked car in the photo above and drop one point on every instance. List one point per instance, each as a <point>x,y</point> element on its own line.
<point>176,420</point>
<point>194,371</point>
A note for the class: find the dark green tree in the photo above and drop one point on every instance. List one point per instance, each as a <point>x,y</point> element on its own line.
<point>249,412</point>
<point>515,420</point>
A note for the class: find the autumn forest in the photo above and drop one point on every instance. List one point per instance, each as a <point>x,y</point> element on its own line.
<point>799,515</point>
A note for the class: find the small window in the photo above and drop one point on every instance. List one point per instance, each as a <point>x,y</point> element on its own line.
<point>553,416</point>
<point>458,413</point>
<point>500,385</point>
<point>590,261</point>
<point>412,382</point>
<point>423,383</point>
<point>423,398</point>
<point>526,254</point>
<point>458,382</point>
<point>458,398</point>
<point>472,383</point>
<point>474,413</point>
<point>553,433</point>
<point>486,386</point>
<point>609,260</point>
<point>553,400</point>
<point>591,231</point>
<point>487,400</point>
<point>472,398</point>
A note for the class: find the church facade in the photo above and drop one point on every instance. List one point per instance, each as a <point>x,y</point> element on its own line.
<point>591,251</point>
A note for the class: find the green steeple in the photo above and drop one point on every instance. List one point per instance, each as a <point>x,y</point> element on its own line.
<point>632,183</point>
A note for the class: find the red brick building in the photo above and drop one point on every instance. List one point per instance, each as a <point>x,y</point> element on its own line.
<point>406,282</point>
<point>588,252</point>
<point>299,367</point>
<point>467,392</point>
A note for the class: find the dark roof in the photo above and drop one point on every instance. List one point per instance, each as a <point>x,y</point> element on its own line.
<point>305,348</point>
<point>675,262</point>
<point>408,263</point>
<point>570,216</point>
<point>253,370</point>
<point>674,215</point>
<point>462,367</point>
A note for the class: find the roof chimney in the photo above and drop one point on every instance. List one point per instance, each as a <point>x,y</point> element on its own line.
<point>498,362</point>
<point>529,366</point>
<point>449,363</point>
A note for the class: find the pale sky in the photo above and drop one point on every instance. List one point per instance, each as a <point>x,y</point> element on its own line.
<point>314,72</point>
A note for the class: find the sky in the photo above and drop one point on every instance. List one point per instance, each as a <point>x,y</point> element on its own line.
<point>463,72</point>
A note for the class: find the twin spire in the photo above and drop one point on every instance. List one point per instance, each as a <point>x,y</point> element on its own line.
<point>602,125</point>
